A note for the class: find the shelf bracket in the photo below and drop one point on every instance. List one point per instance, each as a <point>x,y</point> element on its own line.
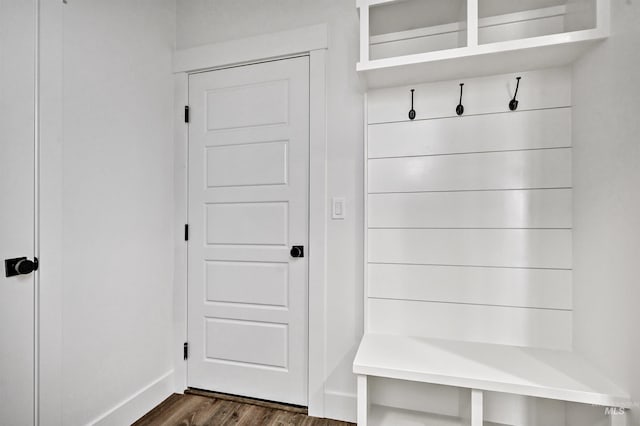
<point>364,34</point>
<point>472,23</point>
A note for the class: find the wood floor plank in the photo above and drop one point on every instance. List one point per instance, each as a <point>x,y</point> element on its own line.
<point>281,418</point>
<point>284,418</point>
<point>188,413</point>
<point>256,415</point>
<point>204,416</point>
<point>199,410</point>
<point>231,414</point>
<point>236,412</point>
<point>154,416</point>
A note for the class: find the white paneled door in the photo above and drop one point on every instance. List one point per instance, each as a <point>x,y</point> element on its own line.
<point>17,155</point>
<point>248,208</point>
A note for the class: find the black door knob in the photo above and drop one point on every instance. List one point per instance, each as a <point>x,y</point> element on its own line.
<point>25,266</point>
<point>297,251</point>
<point>20,266</point>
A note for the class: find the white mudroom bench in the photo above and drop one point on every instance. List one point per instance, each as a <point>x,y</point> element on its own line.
<point>542,373</point>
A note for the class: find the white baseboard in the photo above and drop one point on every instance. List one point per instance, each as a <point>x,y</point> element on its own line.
<point>138,404</point>
<point>340,406</point>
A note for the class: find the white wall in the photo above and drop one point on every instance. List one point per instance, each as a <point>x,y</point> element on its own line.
<point>607,202</point>
<point>117,197</point>
<point>209,21</point>
<point>606,212</point>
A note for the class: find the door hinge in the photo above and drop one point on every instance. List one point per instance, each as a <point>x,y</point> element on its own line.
<point>186,232</point>
<point>186,113</point>
<point>185,351</point>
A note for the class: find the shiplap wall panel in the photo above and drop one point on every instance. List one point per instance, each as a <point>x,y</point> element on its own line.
<point>469,218</point>
<point>512,248</point>
<point>549,208</point>
<point>546,168</point>
<point>544,328</point>
<point>528,288</point>
<point>550,128</point>
<point>549,88</point>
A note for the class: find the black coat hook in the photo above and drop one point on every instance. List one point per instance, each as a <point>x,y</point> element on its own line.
<point>513,104</point>
<point>460,107</point>
<point>412,112</point>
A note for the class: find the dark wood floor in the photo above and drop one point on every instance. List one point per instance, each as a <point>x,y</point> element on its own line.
<point>199,410</point>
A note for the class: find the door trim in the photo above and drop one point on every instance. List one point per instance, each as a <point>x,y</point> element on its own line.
<point>252,49</point>
<point>36,214</point>
<point>311,41</point>
<point>49,281</point>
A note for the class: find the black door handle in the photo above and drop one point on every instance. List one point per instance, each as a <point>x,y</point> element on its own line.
<point>20,266</point>
<point>297,251</point>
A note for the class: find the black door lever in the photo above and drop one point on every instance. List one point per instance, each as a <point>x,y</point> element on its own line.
<point>20,266</point>
<point>297,251</point>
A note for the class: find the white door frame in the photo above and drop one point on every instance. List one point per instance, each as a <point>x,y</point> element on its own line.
<point>48,140</point>
<point>310,41</point>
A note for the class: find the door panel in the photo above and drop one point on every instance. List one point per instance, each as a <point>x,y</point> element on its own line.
<point>234,282</point>
<point>250,342</point>
<point>263,163</point>
<point>248,223</point>
<point>16,210</point>
<point>248,204</point>
<point>258,104</point>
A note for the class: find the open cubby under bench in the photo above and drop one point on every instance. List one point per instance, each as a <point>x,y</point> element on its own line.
<point>542,373</point>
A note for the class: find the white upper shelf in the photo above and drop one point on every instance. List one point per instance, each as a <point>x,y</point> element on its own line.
<point>484,41</point>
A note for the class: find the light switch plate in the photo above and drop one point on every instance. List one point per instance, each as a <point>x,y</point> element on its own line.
<point>338,208</point>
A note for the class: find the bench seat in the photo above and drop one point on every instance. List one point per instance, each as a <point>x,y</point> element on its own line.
<point>542,373</point>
